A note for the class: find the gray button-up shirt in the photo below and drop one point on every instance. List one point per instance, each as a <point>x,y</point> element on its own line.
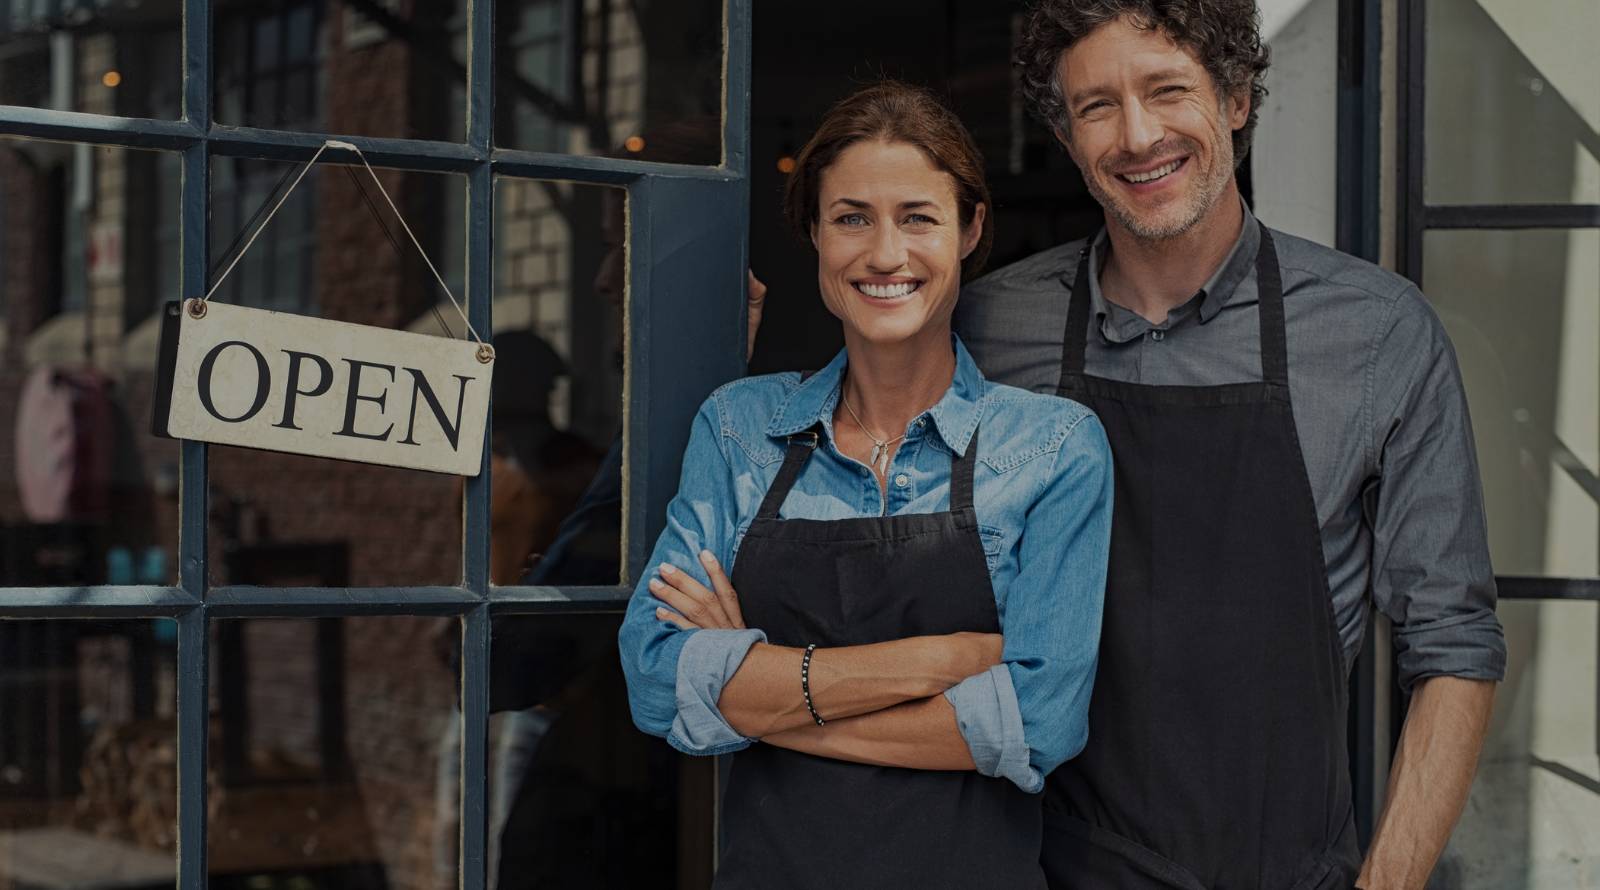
<point>1378,404</point>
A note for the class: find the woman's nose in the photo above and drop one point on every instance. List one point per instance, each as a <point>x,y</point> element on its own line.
<point>888,250</point>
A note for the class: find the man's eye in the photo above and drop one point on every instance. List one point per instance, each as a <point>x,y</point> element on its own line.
<point>1169,90</point>
<point>1092,107</point>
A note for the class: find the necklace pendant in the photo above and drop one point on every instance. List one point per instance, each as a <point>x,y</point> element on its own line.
<point>877,453</point>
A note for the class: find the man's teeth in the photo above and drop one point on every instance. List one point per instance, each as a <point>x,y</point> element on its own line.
<point>1153,175</point>
<point>888,291</point>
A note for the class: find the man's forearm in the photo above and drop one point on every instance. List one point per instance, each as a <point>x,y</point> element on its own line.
<point>1429,781</point>
<point>764,697</point>
<point>916,735</point>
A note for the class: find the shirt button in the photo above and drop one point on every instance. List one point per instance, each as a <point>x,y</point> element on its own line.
<point>902,480</point>
<point>1158,336</point>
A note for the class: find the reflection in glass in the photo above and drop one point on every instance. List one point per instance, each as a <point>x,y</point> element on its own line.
<point>579,798</point>
<point>595,76</point>
<point>1522,308</point>
<point>88,250</point>
<point>1513,103</point>
<point>336,251</point>
<point>363,67</point>
<point>1534,813</point>
<point>325,758</point>
<point>99,58</point>
<point>88,754</point>
<point>557,464</point>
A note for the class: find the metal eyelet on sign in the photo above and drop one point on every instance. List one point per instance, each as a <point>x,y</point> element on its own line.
<point>485,353</point>
<point>195,307</point>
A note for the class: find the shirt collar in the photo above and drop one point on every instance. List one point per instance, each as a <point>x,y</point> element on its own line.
<point>955,416</point>
<point>1120,324</point>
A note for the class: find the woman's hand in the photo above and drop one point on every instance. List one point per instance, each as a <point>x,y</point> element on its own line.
<point>691,604</point>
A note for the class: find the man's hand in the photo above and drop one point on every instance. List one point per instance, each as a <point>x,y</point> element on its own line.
<point>691,604</point>
<point>755,299</point>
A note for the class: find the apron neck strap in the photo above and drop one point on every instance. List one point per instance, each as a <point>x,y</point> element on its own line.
<point>961,470</point>
<point>1269,287</point>
<point>794,460</point>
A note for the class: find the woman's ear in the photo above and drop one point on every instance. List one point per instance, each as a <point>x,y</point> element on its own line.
<point>815,226</point>
<point>974,231</point>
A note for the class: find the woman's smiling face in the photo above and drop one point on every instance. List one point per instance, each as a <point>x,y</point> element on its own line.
<point>890,241</point>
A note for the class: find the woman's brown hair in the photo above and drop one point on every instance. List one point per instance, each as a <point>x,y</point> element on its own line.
<point>892,111</point>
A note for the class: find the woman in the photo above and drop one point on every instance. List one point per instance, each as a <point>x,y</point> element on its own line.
<point>880,516</point>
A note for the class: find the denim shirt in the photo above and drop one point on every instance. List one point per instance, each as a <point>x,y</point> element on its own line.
<point>1042,493</point>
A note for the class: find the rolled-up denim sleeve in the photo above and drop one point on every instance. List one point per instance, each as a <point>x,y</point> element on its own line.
<point>1431,571</point>
<point>675,676</point>
<point>1028,715</point>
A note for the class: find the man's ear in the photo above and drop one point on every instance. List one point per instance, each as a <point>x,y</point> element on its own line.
<point>1239,109</point>
<point>974,231</point>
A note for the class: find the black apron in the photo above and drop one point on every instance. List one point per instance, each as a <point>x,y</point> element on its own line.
<point>792,820</point>
<point>1216,755</point>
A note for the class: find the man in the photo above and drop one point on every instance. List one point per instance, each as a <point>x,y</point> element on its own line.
<point>1290,434</point>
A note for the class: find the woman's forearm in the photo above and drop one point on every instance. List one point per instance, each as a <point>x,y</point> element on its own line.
<point>919,734</point>
<point>764,697</point>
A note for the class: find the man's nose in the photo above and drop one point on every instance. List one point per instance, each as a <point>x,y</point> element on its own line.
<point>1141,129</point>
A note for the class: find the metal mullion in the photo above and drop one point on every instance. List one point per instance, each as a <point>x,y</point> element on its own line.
<point>477,630</point>
<point>1524,587</point>
<point>480,75</point>
<point>244,601</point>
<point>95,602</point>
<point>506,600</point>
<point>97,129</point>
<point>193,723</point>
<point>1511,216</point>
<point>1411,69</point>
<point>596,170</point>
<point>197,63</point>
<point>293,145</point>
<point>737,18</point>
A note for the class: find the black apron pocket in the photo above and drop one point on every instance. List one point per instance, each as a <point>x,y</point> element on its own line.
<point>1080,856</point>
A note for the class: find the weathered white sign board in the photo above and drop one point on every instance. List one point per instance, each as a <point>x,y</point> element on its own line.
<point>239,376</point>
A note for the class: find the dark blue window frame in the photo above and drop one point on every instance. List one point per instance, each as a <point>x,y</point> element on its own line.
<point>687,247</point>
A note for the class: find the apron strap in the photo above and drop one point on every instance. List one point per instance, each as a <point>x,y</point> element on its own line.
<point>961,469</point>
<point>800,447</point>
<point>1077,333</point>
<point>1269,287</point>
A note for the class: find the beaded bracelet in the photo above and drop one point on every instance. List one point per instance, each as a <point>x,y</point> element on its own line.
<point>805,682</point>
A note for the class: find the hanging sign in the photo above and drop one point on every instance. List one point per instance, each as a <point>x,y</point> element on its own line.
<point>283,382</point>
<point>234,375</point>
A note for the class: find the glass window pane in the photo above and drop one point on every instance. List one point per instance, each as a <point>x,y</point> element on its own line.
<point>100,58</point>
<point>88,754</point>
<point>88,252</point>
<point>578,797</point>
<point>1534,815</point>
<point>379,68</point>
<point>603,77</point>
<point>1513,103</point>
<point>334,753</point>
<point>1522,308</point>
<point>336,251</point>
<point>560,271</point>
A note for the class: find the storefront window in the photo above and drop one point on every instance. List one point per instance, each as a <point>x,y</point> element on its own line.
<point>124,60</point>
<point>88,754</point>
<point>87,494</point>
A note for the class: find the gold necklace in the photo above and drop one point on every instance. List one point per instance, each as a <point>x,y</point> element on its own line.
<point>880,447</point>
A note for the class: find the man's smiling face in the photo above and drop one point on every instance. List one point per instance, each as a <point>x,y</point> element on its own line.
<point>1148,128</point>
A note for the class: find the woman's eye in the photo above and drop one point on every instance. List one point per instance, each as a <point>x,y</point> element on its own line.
<point>852,219</point>
<point>919,219</point>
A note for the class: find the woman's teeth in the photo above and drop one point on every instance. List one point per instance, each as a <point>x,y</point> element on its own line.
<point>887,291</point>
<point>1155,174</point>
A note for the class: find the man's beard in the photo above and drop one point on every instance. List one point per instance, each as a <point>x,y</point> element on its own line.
<point>1208,186</point>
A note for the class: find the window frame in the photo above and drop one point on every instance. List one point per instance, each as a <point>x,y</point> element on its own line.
<point>687,250</point>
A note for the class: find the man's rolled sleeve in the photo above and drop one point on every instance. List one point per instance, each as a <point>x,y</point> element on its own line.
<point>1431,570</point>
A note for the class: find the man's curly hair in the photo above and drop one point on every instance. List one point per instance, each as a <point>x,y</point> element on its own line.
<point>1223,34</point>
